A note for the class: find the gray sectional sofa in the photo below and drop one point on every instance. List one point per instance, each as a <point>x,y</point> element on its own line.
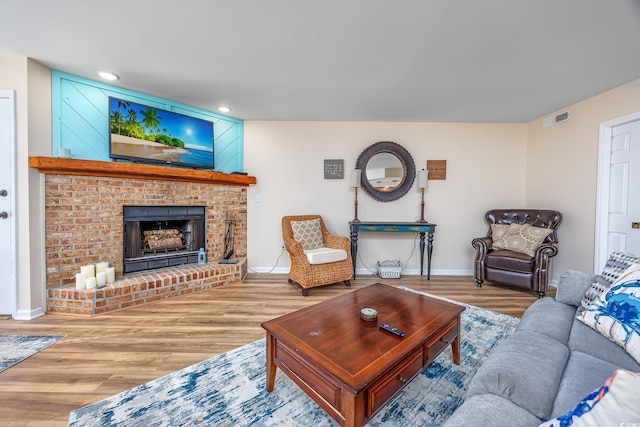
<point>546,367</point>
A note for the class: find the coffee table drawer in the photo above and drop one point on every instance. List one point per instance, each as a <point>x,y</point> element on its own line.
<point>293,362</point>
<point>441,341</point>
<point>383,389</point>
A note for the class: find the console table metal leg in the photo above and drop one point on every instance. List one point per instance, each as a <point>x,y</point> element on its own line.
<point>429,250</point>
<point>354,251</point>
<point>421,252</point>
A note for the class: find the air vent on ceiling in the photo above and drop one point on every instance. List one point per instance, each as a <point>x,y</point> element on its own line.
<point>550,121</point>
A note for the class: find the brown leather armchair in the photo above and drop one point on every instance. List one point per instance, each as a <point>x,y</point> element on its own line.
<point>514,268</point>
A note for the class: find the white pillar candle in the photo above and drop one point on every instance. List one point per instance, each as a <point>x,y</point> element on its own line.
<point>111,275</point>
<point>101,266</point>
<point>80,281</point>
<point>88,271</point>
<point>90,282</point>
<point>101,279</point>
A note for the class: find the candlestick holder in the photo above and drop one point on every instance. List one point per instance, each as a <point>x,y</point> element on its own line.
<point>423,182</point>
<point>356,177</point>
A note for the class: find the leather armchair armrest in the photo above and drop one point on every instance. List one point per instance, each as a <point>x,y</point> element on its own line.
<point>482,246</point>
<point>544,253</point>
<point>541,261</point>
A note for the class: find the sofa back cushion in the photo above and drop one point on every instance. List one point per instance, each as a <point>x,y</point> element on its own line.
<point>572,286</point>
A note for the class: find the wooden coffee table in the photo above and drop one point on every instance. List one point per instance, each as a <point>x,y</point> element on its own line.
<point>351,367</point>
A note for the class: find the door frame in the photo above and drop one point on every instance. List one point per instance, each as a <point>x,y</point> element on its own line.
<point>13,283</point>
<point>602,191</point>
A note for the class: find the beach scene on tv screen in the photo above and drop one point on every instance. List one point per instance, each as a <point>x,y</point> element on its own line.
<point>148,133</point>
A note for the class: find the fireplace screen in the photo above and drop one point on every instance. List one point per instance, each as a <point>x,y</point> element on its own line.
<point>162,236</point>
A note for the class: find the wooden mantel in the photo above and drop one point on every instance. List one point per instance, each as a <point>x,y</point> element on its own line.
<point>135,170</point>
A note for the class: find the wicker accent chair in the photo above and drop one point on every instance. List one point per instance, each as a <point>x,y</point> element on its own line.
<point>508,267</point>
<point>307,274</point>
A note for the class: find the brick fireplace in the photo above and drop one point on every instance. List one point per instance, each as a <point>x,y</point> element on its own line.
<point>84,224</point>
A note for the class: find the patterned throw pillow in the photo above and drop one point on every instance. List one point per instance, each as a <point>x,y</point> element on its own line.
<point>613,404</point>
<point>616,312</point>
<point>522,238</point>
<point>308,233</point>
<point>616,264</point>
<point>498,231</point>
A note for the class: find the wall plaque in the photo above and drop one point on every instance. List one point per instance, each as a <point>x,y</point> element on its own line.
<point>333,168</point>
<point>437,169</point>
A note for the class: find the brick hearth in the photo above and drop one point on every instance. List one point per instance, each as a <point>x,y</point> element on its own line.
<point>84,225</point>
<point>142,288</point>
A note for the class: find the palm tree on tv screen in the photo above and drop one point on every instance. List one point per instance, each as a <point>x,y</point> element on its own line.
<point>116,122</point>
<point>132,121</point>
<point>150,119</point>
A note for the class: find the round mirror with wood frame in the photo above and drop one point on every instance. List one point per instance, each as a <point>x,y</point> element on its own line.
<point>388,170</point>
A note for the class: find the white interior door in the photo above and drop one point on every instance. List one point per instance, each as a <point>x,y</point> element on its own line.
<point>7,207</point>
<point>624,189</point>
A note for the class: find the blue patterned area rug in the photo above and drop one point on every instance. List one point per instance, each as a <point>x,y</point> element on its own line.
<point>229,389</point>
<point>16,348</point>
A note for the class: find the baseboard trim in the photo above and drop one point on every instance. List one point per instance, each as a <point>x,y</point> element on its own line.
<point>29,314</point>
<point>365,272</point>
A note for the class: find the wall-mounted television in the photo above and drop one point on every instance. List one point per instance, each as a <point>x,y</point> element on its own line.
<point>140,133</point>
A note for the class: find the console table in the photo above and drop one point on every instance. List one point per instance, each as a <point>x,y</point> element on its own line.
<point>424,228</point>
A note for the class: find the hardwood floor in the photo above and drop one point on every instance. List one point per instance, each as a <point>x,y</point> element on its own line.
<point>107,354</point>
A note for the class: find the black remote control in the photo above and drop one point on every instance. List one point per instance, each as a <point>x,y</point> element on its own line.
<point>391,329</point>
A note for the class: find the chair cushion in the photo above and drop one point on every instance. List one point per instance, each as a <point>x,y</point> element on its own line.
<point>509,260</point>
<point>308,233</point>
<point>522,238</point>
<point>325,255</point>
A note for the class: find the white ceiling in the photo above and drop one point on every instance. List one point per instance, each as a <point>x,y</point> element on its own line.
<point>355,60</point>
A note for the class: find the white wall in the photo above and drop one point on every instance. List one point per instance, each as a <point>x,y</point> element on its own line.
<point>485,169</point>
<point>32,83</point>
<point>562,170</point>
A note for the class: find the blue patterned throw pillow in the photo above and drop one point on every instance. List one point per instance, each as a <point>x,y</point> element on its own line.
<point>616,313</point>
<point>617,263</point>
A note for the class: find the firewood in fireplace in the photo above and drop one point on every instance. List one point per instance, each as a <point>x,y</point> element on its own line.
<point>163,238</point>
<point>166,243</point>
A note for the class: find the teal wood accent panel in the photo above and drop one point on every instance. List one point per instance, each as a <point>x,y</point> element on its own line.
<point>80,109</point>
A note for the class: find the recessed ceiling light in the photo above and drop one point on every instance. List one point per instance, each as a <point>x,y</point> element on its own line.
<point>224,109</point>
<point>107,75</point>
